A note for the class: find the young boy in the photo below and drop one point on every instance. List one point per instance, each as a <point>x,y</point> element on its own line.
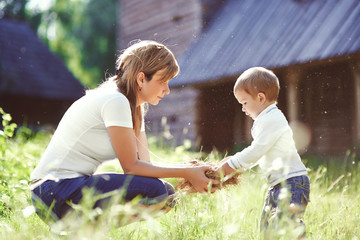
<point>272,148</point>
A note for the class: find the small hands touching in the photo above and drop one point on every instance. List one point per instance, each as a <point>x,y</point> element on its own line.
<point>198,179</point>
<point>206,177</point>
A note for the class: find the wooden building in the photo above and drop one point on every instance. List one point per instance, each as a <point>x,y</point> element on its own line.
<point>313,47</point>
<point>175,23</point>
<point>35,86</point>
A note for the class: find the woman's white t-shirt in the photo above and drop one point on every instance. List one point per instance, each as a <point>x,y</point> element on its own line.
<point>81,141</point>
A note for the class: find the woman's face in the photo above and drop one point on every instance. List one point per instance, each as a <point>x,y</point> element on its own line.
<point>154,90</point>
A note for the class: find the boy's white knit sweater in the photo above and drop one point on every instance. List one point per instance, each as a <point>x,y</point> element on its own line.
<point>273,148</point>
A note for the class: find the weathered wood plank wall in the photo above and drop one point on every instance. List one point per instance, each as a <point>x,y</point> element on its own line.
<point>174,23</point>
<point>180,111</point>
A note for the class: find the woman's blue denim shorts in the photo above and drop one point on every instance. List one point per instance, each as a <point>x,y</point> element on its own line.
<point>56,195</point>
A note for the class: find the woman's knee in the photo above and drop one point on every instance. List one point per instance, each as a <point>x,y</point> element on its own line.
<point>170,188</point>
<point>157,188</point>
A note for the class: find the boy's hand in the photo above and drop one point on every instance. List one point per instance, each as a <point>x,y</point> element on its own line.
<point>225,160</point>
<point>225,169</point>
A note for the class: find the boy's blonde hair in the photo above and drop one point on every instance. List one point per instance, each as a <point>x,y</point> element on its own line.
<point>259,80</point>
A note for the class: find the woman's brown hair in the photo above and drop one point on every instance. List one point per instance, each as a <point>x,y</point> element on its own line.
<point>147,57</point>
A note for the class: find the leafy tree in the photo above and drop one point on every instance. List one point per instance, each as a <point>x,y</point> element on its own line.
<point>83,33</point>
<point>16,9</point>
<point>13,9</point>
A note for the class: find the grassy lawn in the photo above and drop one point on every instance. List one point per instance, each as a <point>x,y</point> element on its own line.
<point>232,213</point>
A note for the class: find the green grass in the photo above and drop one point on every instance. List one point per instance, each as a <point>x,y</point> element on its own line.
<point>232,213</point>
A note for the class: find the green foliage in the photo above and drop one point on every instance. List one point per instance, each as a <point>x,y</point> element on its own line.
<point>15,153</point>
<point>14,9</point>
<point>5,134</point>
<point>17,9</point>
<point>8,128</point>
<point>83,34</point>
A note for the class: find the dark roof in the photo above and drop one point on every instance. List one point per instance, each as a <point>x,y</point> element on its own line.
<point>271,33</point>
<point>28,68</point>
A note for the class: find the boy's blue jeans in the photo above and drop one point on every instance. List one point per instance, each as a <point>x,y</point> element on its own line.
<point>278,200</point>
<point>56,195</point>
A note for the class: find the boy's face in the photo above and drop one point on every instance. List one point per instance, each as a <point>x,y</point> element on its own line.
<point>251,106</point>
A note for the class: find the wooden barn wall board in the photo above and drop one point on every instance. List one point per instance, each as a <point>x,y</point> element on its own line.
<point>179,108</point>
<point>174,23</point>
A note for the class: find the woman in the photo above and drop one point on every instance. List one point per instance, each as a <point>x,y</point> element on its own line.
<point>108,123</point>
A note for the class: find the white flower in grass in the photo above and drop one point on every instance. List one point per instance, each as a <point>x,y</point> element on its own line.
<point>284,193</point>
<point>28,211</point>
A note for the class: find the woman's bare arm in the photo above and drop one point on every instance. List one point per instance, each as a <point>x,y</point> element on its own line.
<point>142,146</point>
<point>124,143</point>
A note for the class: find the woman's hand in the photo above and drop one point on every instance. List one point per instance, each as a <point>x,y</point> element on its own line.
<point>196,176</point>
